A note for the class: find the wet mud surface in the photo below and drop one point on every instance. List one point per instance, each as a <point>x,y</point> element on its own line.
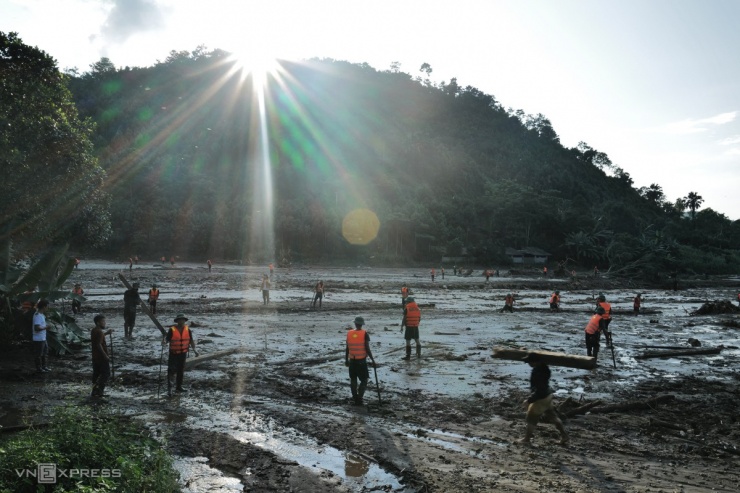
<point>277,415</point>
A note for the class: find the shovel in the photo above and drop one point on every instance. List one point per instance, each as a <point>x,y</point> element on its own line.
<point>611,345</point>
<point>377,385</point>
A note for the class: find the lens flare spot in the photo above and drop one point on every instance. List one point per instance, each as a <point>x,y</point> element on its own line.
<point>360,226</point>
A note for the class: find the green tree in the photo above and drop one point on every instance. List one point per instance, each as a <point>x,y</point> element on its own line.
<point>52,185</point>
<point>693,201</point>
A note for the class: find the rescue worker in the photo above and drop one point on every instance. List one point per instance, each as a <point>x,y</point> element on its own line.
<point>318,293</point>
<point>272,269</point>
<point>265,289</point>
<point>100,357</point>
<point>172,261</point>
<point>539,403</point>
<point>606,318</point>
<point>487,273</point>
<point>432,272</point>
<point>130,302</point>
<point>593,333</point>
<point>454,270</point>
<point>77,263</point>
<point>180,339</point>
<point>555,301</point>
<point>596,271</point>
<point>508,304</point>
<point>442,271</point>
<point>153,297</point>
<point>637,303</point>
<point>411,319</point>
<point>130,264</point>
<point>544,271</point>
<point>210,264</point>
<point>356,352</point>
<point>77,304</point>
<point>404,295</point>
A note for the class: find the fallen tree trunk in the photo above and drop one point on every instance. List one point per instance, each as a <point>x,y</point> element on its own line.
<point>548,357</point>
<point>632,405</point>
<point>191,362</point>
<point>446,333</point>
<point>683,352</point>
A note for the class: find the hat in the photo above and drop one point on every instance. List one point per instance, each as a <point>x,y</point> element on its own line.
<point>181,316</point>
<point>410,299</point>
<point>359,321</point>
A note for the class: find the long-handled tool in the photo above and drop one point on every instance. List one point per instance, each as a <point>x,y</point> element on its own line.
<point>377,385</point>
<point>611,345</point>
<point>112,366</point>
<point>159,380</point>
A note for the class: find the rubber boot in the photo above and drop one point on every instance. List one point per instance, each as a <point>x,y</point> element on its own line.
<point>408,353</point>
<point>418,350</point>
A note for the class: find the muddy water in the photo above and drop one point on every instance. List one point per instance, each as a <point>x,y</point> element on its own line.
<point>457,335</point>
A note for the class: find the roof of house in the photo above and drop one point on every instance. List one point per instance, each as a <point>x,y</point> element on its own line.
<point>527,252</point>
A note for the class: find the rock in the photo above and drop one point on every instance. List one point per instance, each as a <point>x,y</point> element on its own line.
<point>694,342</point>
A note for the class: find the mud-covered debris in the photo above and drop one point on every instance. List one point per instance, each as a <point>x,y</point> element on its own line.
<point>715,307</point>
<point>694,342</point>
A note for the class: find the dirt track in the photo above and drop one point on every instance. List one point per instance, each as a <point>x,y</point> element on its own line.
<point>277,416</point>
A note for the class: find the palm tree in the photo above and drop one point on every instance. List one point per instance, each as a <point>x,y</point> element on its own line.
<point>693,201</point>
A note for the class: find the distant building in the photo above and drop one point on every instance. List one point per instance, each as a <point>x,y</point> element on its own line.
<point>528,255</point>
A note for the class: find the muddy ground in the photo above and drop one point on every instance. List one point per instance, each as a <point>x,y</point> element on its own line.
<point>277,416</point>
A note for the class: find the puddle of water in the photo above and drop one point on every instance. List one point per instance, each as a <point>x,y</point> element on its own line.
<point>355,466</point>
<point>196,477</point>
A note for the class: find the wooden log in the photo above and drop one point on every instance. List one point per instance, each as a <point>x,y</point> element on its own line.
<point>548,357</point>
<point>191,362</point>
<point>632,405</point>
<point>582,409</point>
<point>683,352</point>
<point>665,424</point>
<point>144,306</point>
<point>446,333</point>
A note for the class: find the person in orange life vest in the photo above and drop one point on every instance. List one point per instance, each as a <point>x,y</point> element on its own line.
<point>404,295</point>
<point>487,273</point>
<point>77,304</point>
<point>555,301</point>
<point>637,303</point>
<point>180,338</point>
<point>411,319</point>
<point>356,352</point>
<point>508,304</point>
<point>539,403</point>
<point>606,319</point>
<point>210,264</point>
<point>318,293</point>
<point>153,297</point>
<point>593,333</point>
<point>432,273</point>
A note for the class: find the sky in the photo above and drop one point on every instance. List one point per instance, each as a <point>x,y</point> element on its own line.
<point>654,84</point>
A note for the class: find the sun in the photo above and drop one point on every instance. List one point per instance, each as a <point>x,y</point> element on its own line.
<point>255,61</point>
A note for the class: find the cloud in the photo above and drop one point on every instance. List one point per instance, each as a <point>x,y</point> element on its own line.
<point>128,17</point>
<point>689,126</point>
<point>735,139</point>
<point>735,151</point>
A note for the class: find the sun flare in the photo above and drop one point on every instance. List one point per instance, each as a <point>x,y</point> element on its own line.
<point>255,62</point>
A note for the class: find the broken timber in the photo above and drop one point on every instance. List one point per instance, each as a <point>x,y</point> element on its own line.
<point>632,405</point>
<point>683,352</point>
<point>143,306</point>
<point>191,362</point>
<point>548,357</point>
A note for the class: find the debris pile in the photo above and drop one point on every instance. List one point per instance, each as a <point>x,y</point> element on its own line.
<point>715,307</point>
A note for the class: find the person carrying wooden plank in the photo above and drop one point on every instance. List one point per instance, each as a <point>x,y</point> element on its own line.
<point>539,403</point>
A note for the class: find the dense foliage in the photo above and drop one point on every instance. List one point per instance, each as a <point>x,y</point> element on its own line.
<point>448,170</point>
<point>96,450</point>
<point>51,188</point>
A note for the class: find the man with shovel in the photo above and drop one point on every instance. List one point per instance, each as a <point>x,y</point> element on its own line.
<point>181,340</point>
<point>100,357</point>
<point>356,353</point>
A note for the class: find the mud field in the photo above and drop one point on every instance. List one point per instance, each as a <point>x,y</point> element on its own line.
<point>277,416</point>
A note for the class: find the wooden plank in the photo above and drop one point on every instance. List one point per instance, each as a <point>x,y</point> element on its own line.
<point>191,362</point>
<point>549,357</point>
<point>684,352</point>
<point>144,306</point>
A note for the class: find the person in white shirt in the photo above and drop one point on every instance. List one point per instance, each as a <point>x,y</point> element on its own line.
<point>40,348</point>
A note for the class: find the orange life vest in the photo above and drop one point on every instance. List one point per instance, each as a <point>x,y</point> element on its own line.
<point>78,291</point>
<point>509,301</point>
<point>405,292</point>
<point>180,340</point>
<point>607,310</point>
<point>154,294</point>
<point>554,298</point>
<point>593,324</point>
<point>413,315</point>
<point>356,343</point>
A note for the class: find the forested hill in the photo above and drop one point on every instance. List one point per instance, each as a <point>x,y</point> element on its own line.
<point>446,169</point>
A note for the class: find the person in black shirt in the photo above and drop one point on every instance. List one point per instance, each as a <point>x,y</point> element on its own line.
<point>539,403</point>
<point>130,302</point>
